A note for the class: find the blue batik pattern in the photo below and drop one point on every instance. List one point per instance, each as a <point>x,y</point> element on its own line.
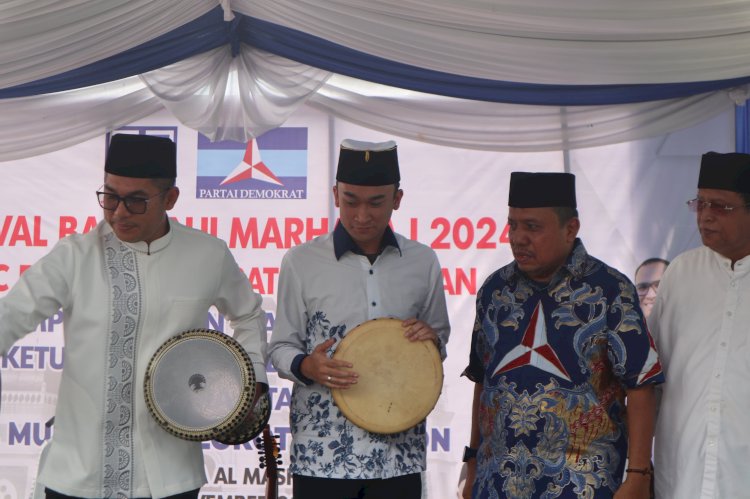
<point>555,361</point>
<point>326,444</point>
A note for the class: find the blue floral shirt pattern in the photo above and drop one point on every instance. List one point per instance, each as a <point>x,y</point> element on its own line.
<point>336,447</point>
<point>555,361</point>
<point>321,297</point>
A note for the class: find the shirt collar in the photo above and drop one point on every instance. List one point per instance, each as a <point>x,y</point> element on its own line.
<point>741,266</point>
<point>575,266</point>
<point>343,242</point>
<point>144,247</point>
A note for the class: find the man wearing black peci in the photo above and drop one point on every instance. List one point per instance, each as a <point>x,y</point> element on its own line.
<point>125,287</point>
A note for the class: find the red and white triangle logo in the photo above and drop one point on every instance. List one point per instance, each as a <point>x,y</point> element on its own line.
<point>251,166</point>
<point>652,367</point>
<point>534,349</point>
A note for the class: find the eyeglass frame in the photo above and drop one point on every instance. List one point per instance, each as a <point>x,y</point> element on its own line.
<point>697,204</point>
<point>126,200</point>
<point>646,287</point>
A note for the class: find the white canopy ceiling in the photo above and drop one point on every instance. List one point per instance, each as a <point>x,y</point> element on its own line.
<point>547,48</point>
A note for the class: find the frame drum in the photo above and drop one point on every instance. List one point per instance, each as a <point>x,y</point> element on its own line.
<point>399,380</point>
<point>200,385</point>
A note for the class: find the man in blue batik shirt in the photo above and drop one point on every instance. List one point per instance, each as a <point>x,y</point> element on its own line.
<point>559,344</point>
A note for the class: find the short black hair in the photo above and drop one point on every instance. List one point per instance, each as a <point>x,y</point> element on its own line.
<point>565,213</point>
<point>649,261</point>
<point>164,183</point>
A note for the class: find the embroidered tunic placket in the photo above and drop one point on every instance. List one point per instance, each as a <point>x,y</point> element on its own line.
<point>125,290</point>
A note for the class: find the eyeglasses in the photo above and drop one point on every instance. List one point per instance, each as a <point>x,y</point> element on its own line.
<point>719,209</point>
<point>643,287</point>
<point>134,204</point>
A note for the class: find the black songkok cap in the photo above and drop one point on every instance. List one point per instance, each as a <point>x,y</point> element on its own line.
<point>542,190</point>
<point>141,156</point>
<point>368,163</point>
<point>729,172</point>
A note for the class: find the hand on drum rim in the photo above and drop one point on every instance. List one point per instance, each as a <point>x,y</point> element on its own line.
<point>416,330</point>
<point>322,369</point>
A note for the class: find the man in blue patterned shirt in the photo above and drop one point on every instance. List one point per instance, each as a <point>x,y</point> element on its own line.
<point>559,345</point>
<point>327,287</point>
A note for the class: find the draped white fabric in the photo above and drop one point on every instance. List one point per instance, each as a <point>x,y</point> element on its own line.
<point>234,98</point>
<point>537,41</point>
<point>35,125</point>
<point>510,127</point>
<point>530,41</point>
<point>30,126</point>
<point>575,42</point>
<point>41,38</point>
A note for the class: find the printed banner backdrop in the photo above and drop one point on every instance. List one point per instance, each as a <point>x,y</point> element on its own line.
<point>275,192</point>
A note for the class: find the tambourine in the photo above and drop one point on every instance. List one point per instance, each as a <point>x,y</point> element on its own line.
<point>200,385</point>
<point>399,380</point>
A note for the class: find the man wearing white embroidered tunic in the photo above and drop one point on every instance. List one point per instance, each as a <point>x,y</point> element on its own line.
<point>125,287</point>
<point>701,325</point>
<point>327,287</point>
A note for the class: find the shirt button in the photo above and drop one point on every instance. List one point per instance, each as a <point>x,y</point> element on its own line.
<point>373,304</point>
<point>729,314</point>
<point>371,272</point>
<point>723,343</point>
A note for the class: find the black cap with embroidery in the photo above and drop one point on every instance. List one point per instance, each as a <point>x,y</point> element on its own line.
<point>542,190</point>
<point>141,156</point>
<point>728,171</point>
<point>368,163</point>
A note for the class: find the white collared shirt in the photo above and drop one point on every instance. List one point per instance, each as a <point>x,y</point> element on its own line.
<point>701,325</point>
<point>321,297</point>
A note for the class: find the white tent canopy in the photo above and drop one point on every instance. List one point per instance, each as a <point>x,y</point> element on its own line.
<point>537,51</point>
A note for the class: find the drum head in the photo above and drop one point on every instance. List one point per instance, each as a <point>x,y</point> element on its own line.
<point>399,380</point>
<point>199,384</point>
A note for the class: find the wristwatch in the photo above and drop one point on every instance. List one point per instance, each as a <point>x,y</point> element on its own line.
<point>469,453</point>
